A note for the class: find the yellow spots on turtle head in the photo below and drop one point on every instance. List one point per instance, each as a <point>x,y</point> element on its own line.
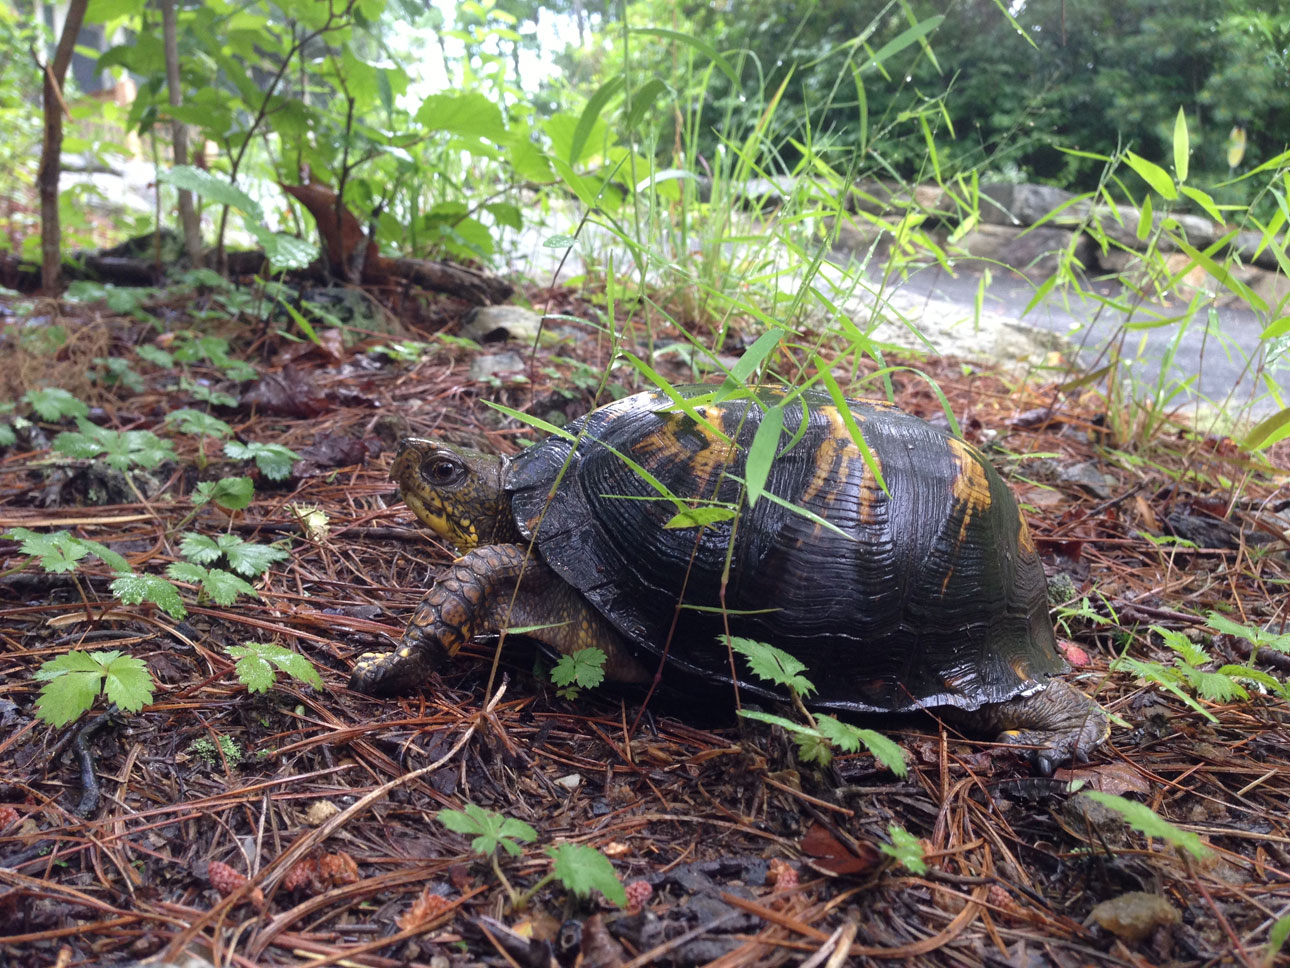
<point>971,487</point>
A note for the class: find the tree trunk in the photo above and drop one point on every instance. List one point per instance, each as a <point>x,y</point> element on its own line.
<point>51,154</point>
<point>188,218</point>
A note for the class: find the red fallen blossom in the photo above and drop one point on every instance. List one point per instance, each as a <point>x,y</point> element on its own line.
<point>317,874</point>
<point>782,875</point>
<point>1074,654</point>
<point>638,895</point>
<point>226,881</point>
<point>8,817</point>
<point>428,906</point>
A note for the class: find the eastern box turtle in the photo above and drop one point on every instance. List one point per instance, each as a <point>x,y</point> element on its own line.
<point>927,595</point>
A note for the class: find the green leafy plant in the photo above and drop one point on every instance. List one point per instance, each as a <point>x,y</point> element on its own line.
<point>583,669</point>
<point>133,589</point>
<point>113,371</point>
<point>1146,821</point>
<point>581,869</point>
<point>119,449</point>
<point>198,422</point>
<point>822,734</point>
<point>75,680</point>
<point>245,557</point>
<point>273,460</point>
<point>905,849</point>
<point>230,493</point>
<point>1187,674</point>
<point>55,403</point>
<point>220,586</point>
<point>256,662</point>
<point>61,550</point>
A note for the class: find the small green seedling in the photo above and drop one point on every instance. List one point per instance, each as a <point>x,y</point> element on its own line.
<point>823,734</point>
<point>245,557</point>
<point>581,869</point>
<point>74,680</point>
<point>273,460</point>
<point>905,849</point>
<point>230,493</point>
<point>1146,821</point>
<point>54,403</point>
<point>61,551</point>
<point>256,662</point>
<point>583,669</point>
<point>119,449</point>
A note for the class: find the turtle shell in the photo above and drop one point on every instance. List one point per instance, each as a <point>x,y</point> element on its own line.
<point>927,594</point>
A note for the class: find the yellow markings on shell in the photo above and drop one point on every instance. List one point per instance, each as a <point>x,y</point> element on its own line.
<point>1025,539</point>
<point>665,445</point>
<point>836,452</point>
<point>971,487</point>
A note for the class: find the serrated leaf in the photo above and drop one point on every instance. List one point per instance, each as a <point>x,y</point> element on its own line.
<point>1146,821</point>
<point>224,587</point>
<point>256,661</point>
<point>273,460</point>
<point>198,422</point>
<point>585,667</point>
<point>582,869</point>
<point>199,548</point>
<point>57,552</point>
<point>74,661</point>
<point>65,698</point>
<point>106,555</point>
<point>55,403</point>
<point>128,683</point>
<point>230,493</point>
<point>905,848</point>
<point>133,589</point>
<point>1215,686</point>
<point>187,571</point>
<point>247,557</point>
<point>850,738</point>
<point>772,664</point>
<point>492,829</point>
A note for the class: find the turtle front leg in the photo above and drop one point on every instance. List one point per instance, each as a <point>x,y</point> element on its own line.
<point>1059,723</point>
<point>489,589</point>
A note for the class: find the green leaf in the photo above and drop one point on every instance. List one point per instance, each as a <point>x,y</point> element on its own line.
<point>1277,938</point>
<point>762,452</point>
<point>247,557</point>
<point>1269,431</point>
<point>582,869</point>
<point>127,682</point>
<point>585,668</point>
<point>199,423</point>
<point>230,493</point>
<point>273,460</point>
<point>199,548</point>
<point>1153,175</point>
<point>224,587</point>
<point>75,679</point>
<point>469,114</point>
<point>133,589</point>
<point>905,848</point>
<point>213,188</point>
<point>106,555</point>
<point>57,552</point>
<point>698,517</point>
<point>1182,146</point>
<point>772,664</point>
<point>849,738</point>
<point>1146,821</point>
<point>491,829</point>
<point>257,660</point>
<point>590,115</point>
<point>55,403</point>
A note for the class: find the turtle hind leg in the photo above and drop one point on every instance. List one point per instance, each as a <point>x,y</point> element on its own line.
<point>1059,724</point>
<point>489,589</point>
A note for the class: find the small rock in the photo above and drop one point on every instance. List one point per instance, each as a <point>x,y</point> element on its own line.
<point>1135,915</point>
<point>570,781</point>
<point>495,324</point>
<point>319,812</point>
<point>500,366</point>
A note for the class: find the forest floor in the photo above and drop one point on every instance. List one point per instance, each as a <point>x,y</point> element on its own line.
<point>299,826</point>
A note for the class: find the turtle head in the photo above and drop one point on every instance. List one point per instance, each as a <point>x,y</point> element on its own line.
<point>457,493</point>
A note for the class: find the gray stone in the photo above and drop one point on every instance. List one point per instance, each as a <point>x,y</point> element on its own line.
<point>499,366</point>
<point>1036,252</point>
<point>495,324</point>
<point>1005,204</point>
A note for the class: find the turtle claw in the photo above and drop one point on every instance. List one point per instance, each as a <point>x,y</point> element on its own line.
<point>392,673</point>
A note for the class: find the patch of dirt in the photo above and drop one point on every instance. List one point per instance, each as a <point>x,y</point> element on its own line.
<point>298,826</point>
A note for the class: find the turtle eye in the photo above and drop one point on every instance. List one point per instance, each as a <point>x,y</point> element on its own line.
<point>442,470</point>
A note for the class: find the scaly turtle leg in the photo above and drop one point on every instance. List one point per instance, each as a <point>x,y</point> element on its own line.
<point>489,589</point>
<point>1059,722</point>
